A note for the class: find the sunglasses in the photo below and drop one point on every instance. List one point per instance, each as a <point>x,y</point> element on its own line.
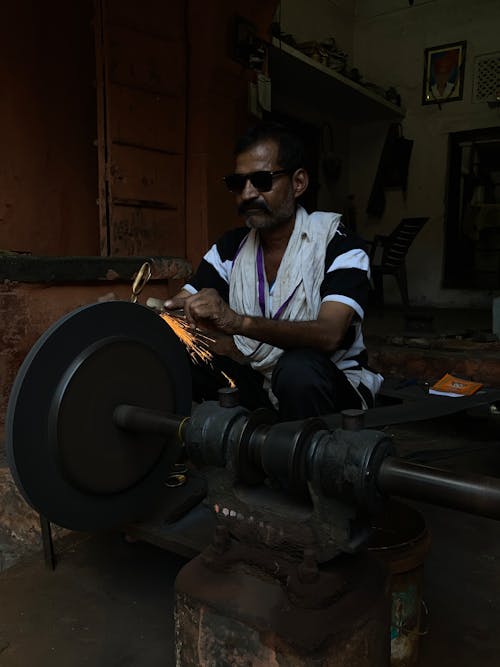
<point>261,180</point>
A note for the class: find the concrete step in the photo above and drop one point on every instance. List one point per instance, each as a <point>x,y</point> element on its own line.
<point>428,360</point>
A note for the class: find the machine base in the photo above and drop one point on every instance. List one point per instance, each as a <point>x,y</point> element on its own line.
<point>241,616</point>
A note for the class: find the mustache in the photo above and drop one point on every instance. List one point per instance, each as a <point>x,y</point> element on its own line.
<point>252,206</point>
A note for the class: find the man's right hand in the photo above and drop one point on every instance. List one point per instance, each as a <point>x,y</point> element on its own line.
<point>220,343</point>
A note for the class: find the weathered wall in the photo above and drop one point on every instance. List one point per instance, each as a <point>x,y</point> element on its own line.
<point>217,114</point>
<point>48,174</point>
<point>48,170</point>
<point>48,123</point>
<point>319,21</point>
<point>389,43</point>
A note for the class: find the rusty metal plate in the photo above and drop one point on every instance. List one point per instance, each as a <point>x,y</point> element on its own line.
<point>69,460</point>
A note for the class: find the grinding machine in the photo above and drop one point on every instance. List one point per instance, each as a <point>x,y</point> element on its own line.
<point>275,516</point>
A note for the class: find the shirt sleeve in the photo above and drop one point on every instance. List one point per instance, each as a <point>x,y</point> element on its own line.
<point>347,273</point>
<point>214,270</point>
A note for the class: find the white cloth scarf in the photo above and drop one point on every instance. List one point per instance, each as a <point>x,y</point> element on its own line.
<point>300,274</point>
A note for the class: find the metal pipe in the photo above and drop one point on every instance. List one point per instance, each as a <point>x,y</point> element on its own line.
<point>475,494</point>
<point>144,420</point>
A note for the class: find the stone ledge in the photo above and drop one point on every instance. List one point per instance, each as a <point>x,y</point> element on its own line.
<point>42,269</point>
<point>424,364</point>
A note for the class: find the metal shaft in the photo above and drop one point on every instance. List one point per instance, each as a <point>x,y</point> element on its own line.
<point>143,420</point>
<point>475,494</point>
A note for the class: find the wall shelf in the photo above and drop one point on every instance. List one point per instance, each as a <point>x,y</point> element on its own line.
<point>297,78</point>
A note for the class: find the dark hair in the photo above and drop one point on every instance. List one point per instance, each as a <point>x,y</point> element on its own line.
<point>290,146</point>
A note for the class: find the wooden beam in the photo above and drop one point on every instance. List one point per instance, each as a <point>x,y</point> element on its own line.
<point>32,269</point>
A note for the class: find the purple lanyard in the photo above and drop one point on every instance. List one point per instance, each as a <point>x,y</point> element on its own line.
<point>262,283</point>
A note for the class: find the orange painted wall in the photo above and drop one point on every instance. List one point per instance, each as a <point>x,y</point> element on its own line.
<point>48,123</point>
<point>48,170</point>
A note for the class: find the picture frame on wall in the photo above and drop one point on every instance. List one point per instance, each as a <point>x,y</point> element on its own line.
<point>444,68</point>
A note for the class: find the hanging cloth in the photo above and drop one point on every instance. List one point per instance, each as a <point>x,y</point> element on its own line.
<point>392,170</point>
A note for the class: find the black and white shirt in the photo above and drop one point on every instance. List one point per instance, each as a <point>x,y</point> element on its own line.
<point>346,280</point>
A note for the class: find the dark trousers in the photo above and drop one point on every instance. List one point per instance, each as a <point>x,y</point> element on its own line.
<point>305,381</point>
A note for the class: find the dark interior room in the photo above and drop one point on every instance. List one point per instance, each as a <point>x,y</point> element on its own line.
<point>250,361</point>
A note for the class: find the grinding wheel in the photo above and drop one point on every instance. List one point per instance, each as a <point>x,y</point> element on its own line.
<point>68,458</point>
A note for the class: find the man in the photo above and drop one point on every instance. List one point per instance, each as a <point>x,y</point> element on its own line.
<point>284,297</point>
<point>444,73</point>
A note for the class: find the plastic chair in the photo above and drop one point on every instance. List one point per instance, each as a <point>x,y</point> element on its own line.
<point>395,247</point>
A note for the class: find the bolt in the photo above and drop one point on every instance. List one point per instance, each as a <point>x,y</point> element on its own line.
<point>308,571</point>
<point>229,397</point>
<point>353,420</point>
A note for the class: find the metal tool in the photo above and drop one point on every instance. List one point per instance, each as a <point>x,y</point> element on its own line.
<point>158,307</point>
<point>140,281</point>
<point>107,391</point>
<point>155,304</point>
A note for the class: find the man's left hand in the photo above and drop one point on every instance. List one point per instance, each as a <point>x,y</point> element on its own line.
<point>223,344</point>
<point>207,310</point>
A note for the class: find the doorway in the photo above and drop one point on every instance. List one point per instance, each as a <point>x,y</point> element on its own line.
<point>472,223</point>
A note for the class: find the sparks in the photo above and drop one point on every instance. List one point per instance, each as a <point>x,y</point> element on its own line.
<point>230,381</point>
<point>196,343</point>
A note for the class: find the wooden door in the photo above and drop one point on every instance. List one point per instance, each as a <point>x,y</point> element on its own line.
<point>141,92</point>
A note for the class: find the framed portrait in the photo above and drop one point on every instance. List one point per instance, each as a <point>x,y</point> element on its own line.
<point>444,73</point>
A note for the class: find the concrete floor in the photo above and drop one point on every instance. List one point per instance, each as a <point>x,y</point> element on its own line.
<point>107,604</point>
<point>462,569</point>
<point>110,603</point>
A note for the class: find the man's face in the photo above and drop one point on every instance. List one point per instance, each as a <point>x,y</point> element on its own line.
<point>264,210</point>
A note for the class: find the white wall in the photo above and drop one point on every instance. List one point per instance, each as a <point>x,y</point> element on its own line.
<point>317,20</point>
<point>389,42</point>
